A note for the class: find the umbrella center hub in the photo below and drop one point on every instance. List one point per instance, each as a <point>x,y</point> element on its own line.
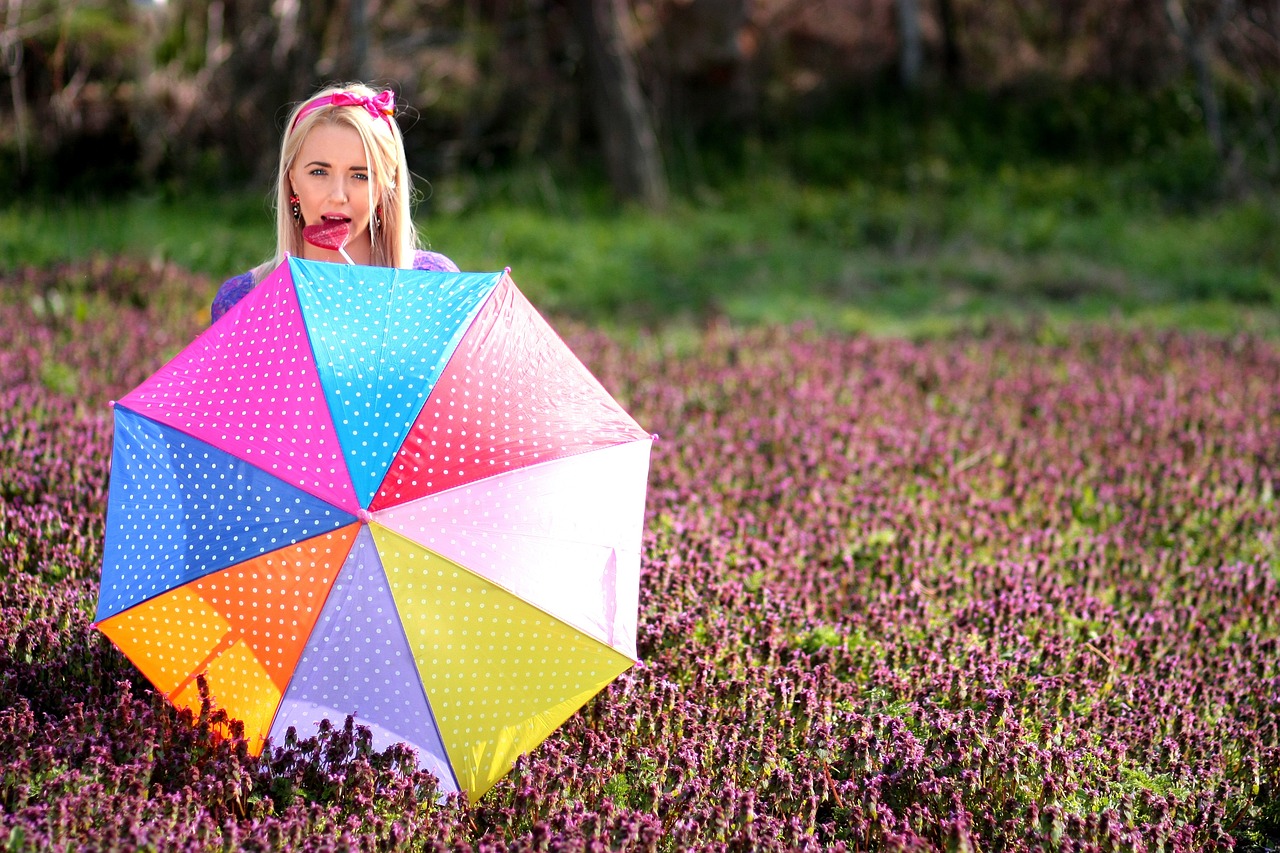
<point>364,515</point>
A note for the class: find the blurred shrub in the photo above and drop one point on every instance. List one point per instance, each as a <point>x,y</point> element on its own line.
<point>1152,139</point>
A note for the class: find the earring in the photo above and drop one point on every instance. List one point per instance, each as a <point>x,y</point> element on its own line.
<point>377,217</point>
<point>295,206</point>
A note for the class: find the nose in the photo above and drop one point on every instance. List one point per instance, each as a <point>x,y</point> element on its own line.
<point>338,189</point>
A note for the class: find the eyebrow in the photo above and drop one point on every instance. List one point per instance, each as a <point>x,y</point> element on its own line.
<point>330,166</point>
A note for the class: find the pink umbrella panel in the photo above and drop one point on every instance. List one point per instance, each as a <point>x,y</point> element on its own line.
<point>384,493</point>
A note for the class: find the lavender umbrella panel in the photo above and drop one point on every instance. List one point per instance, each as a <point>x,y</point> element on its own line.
<point>388,493</point>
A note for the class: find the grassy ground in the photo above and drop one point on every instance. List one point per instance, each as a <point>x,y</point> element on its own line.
<point>987,592</point>
<point>915,252</point>
<point>1006,590</point>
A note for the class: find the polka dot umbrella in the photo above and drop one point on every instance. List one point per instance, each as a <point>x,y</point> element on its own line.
<point>383,493</point>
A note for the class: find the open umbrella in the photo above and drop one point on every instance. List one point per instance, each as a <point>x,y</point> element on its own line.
<point>386,493</point>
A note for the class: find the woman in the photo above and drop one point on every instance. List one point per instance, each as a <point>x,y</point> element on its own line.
<point>342,161</point>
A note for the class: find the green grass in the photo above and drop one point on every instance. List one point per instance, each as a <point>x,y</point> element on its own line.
<point>931,249</point>
<point>211,235</point>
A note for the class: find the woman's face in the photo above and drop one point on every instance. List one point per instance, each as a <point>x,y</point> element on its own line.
<point>331,178</point>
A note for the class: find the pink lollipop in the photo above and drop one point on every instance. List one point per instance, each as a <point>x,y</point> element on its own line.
<point>331,235</point>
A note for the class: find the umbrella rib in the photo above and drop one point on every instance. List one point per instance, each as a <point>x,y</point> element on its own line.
<point>228,640</point>
<point>504,588</point>
<point>550,458</point>
<point>422,687</point>
<point>384,384</point>
<point>459,334</point>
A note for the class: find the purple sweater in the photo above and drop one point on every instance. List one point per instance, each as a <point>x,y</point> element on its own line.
<point>234,289</point>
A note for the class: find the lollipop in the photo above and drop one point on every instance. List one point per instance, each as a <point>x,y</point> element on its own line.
<point>331,235</point>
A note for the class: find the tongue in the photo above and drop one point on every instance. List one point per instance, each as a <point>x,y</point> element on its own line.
<point>328,235</point>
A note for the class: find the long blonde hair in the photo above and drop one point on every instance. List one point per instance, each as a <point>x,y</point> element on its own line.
<point>394,241</point>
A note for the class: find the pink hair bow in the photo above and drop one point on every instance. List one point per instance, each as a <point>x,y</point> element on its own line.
<point>381,105</point>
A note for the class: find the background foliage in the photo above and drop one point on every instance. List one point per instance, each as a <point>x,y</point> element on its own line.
<point>108,95</point>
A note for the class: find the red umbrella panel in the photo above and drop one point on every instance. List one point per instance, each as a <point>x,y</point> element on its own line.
<point>384,493</point>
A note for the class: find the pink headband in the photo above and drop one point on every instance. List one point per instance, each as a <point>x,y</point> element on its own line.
<point>381,105</point>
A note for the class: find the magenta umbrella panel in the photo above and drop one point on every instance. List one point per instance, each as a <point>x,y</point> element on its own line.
<point>384,493</point>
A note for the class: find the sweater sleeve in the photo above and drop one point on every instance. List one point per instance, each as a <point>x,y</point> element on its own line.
<point>423,260</point>
<point>231,292</point>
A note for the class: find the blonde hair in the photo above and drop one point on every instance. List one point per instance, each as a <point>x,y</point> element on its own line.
<point>395,240</point>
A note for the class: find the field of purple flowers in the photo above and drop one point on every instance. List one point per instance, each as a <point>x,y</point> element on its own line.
<point>1007,590</point>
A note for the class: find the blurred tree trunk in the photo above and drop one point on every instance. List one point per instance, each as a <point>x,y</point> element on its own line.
<point>11,47</point>
<point>278,46</point>
<point>912,52</point>
<point>358,16</point>
<point>1198,45</point>
<point>622,117</point>
<point>706,52</point>
<point>951,58</point>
